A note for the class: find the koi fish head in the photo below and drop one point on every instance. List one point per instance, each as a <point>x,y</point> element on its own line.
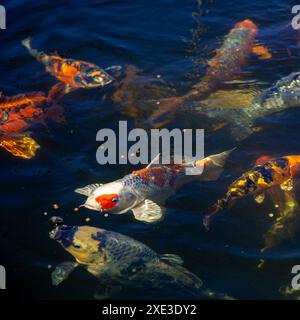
<point>94,78</point>
<point>247,24</point>
<point>111,197</point>
<point>81,242</point>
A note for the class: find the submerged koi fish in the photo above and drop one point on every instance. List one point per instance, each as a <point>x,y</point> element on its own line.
<point>145,190</point>
<point>276,172</point>
<point>22,100</point>
<point>119,261</point>
<point>17,113</point>
<point>72,73</point>
<point>228,61</point>
<point>285,94</point>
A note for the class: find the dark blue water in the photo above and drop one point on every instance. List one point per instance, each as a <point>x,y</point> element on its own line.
<point>173,39</point>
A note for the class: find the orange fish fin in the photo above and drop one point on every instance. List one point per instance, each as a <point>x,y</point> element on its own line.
<point>20,146</point>
<point>259,198</point>
<point>262,52</point>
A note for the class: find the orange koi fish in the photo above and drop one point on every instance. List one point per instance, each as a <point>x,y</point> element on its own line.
<point>276,172</point>
<point>17,113</point>
<point>72,73</point>
<point>22,100</point>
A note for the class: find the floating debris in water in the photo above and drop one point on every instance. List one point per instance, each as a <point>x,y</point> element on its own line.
<point>56,221</point>
<point>45,213</point>
<point>76,209</point>
<point>106,215</point>
<point>271,215</point>
<point>87,219</point>
<point>261,263</point>
<point>55,206</point>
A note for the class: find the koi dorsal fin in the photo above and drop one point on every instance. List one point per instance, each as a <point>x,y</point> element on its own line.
<point>171,259</point>
<point>87,191</point>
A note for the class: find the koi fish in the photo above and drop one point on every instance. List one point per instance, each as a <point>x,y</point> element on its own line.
<point>22,100</point>
<point>72,73</point>
<point>17,113</point>
<point>276,172</point>
<point>144,191</point>
<point>118,261</point>
<point>285,94</point>
<point>228,61</point>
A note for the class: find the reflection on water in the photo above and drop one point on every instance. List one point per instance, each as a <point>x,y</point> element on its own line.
<point>285,224</point>
<point>162,58</point>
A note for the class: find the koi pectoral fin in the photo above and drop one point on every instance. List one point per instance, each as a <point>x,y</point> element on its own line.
<point>62,272</point>
<point>288,185</point>
<point>259,198</point>
<point>21,146</point>
<point>262,52</point>
<point>148,211</point>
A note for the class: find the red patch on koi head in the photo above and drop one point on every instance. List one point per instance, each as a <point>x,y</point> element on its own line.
<point>107,201</point>
<point>247,24</point>
<point>261,160</point>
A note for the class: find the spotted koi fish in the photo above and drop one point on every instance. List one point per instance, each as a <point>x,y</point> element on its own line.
<point>144,191</point>
<point>17,113</point>
<point>72,73</point>
<point>228,61</point>
<point>276,172</point>
<point>120,262</point>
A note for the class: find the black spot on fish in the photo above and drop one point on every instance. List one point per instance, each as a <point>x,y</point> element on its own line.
<point>101,237</point>
<point>281,163</point>
<point>266,173</point>
<point>66,235</point>
<point>134,267</point>
<point>250,185</point>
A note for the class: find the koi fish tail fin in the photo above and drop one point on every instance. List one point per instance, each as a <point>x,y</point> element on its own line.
<point>22,146</point>
<point>40,56</point>
<point>208,213</point>
<point>213,165</point>
<point>165,112</point>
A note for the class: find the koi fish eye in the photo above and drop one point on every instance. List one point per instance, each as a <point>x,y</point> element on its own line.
<point>107,201</point>
<point>77,245</point>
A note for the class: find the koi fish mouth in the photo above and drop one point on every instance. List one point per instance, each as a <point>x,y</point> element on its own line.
<point>91,207</point>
